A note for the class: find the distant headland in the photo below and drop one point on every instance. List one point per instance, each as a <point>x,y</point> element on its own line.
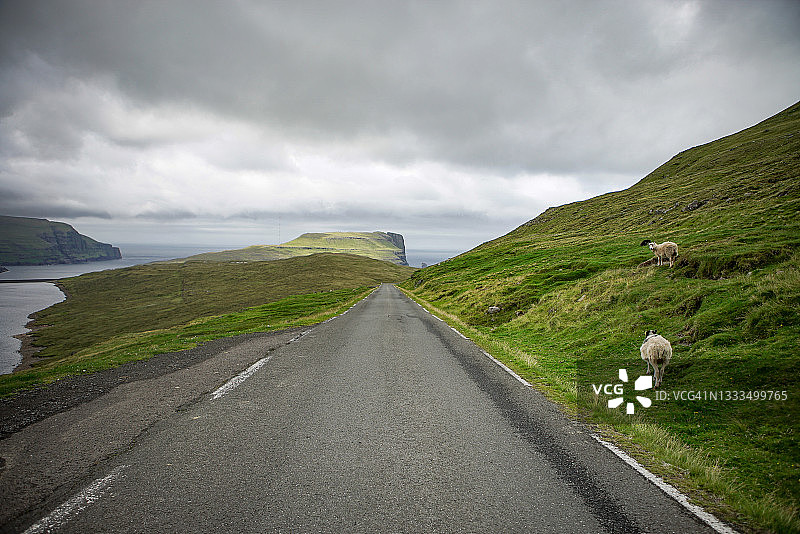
<point>28,241</point>
<point>386,246</point>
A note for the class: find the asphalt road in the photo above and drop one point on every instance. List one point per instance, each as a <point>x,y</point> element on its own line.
<point>381,420</point>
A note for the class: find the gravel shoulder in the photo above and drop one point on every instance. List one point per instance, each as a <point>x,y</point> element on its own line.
<point>52,437</point>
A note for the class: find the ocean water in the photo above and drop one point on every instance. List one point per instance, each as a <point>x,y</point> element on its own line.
<point>429,257</point>
<point>19,300</point>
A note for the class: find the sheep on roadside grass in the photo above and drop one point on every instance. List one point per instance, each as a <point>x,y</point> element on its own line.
<point>666,250</point>
<point>657,352</point>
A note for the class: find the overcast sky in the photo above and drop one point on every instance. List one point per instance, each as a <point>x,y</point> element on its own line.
<point>449,122</point>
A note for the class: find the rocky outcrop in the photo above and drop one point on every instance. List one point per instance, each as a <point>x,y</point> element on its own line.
<point>26,241</point>
<point>397,240</point>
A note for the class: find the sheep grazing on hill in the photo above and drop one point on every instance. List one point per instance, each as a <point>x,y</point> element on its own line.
<point>493,309</point>
<point>657,352</point>
<point>665,251</point>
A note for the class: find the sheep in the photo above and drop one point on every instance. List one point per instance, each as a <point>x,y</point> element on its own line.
<point>657,352</point>
<point>493,309</point>
<point>666,250</point>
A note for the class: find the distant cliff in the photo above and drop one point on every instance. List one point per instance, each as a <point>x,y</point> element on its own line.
<point>397,240</point>
<point>385,246</point>
<point>26,241</point>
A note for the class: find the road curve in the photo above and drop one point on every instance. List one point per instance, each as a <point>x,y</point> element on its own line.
<point>380,420</point>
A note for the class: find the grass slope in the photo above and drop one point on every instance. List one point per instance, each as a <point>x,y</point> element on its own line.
<point>377,245</point>
<point>575,306</point>
<point>27,241</point>
<point>114,316</point>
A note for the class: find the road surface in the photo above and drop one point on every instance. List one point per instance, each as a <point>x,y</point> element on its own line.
<point>381,420</point>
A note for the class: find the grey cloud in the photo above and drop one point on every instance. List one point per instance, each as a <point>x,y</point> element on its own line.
<point>510,85</point>
<point>18,204</point>
<point>94,94</point>
<point>166,215</point>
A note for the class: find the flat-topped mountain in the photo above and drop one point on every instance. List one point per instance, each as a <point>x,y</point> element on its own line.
<point>27,241</point>
<point>385,246</point>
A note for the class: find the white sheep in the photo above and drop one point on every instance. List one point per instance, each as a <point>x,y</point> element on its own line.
<point>493,309</point>
<point>657,352</point>
<point>666,250</point>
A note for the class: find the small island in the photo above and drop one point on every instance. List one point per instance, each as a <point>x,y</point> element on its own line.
<point>28,241</point>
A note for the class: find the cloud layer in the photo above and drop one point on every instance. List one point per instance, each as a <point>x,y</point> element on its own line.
<point>432,119</point>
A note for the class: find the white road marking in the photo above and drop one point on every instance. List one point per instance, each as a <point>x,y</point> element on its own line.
<point>508,370</point>
<point>459,333</point>
<point>90,494</point>
<point>708,518</point>
<point>295,338</point>
<point>237,380</point>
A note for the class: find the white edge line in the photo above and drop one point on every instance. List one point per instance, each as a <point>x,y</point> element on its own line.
<point>708,518</point>
<point>234,382</point>
<point>508,369</point>
<point>89,495</point>
<point>460,334</point>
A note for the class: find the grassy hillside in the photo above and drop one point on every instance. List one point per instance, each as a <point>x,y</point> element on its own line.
<point>386,246</point>
<point>575,306</point>
<point>26,241</point>
<point>114,316</point>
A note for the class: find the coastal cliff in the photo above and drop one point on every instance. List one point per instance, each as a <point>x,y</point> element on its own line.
<point>398,241</point>
<point>28,241</point>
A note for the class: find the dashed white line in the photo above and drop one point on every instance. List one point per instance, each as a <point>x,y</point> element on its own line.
<point>298,336</point>
<point>90,494</point>
<point>237,380</point>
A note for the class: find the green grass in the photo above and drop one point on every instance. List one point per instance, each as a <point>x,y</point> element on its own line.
<point>298,310</point>
<point>375,245</point>
<point>115,316</point>
<point>576,306</point>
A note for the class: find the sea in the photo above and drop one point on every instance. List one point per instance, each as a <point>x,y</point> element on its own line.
<point>19,300</point>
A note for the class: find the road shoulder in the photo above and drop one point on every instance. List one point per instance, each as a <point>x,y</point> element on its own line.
<point>53,437</point>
